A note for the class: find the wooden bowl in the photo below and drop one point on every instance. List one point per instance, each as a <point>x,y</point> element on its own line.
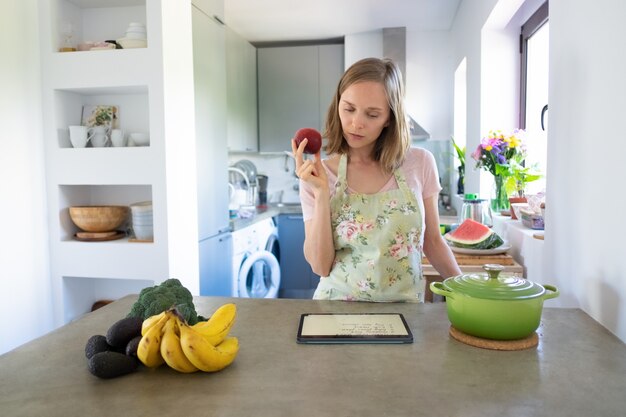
<point>99,218</point>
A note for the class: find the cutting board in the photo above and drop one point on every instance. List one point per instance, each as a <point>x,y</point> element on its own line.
<point>502,259</point>
<point>462,259</point>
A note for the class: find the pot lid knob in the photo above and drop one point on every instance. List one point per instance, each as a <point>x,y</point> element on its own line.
<point>493,270</point>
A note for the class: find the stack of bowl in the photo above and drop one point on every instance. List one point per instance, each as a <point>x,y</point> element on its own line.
<point>142,220</point>
<point>135,36</point>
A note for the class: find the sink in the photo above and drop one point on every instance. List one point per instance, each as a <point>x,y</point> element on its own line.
<point>288,205</point>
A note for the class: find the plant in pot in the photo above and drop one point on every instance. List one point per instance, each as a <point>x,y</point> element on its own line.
<point>521,175</point>
<point>460,155</point>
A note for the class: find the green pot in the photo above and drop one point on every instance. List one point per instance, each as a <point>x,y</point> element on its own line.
<point>493,306</point>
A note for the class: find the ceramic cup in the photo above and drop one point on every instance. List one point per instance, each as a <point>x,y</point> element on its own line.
<point>79,136</point>
<point>118,138</point>
<point>100,137</point>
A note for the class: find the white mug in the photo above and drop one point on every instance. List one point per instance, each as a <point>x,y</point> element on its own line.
<point>118,138</point>
<point>79,136</point>
<point>100,137</point>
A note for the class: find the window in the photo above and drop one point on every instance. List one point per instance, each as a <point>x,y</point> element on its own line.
<point>534,91</point>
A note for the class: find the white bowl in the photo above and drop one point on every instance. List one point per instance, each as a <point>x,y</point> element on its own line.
<point>143,232</point>
<point>141,207</point>
<point>142,224</point>
<point>135,36</point>
<point>140,139</point>
<point>132,43</point>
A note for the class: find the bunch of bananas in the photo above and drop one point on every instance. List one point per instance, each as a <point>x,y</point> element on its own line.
<point>205,346</point>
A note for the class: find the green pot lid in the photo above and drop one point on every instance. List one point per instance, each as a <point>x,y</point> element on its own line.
<point>492,286</point>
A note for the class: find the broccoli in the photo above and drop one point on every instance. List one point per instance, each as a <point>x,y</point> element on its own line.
<point>170,293</point>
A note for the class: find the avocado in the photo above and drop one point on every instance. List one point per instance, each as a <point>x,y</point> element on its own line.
<point>131,347</point>
<point>111,364</point>
<point>96,344</point>
<point>120,333</point>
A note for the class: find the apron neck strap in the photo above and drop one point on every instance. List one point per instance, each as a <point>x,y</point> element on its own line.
<point>342,177</point>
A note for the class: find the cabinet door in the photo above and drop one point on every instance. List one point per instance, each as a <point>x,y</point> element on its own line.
<point>242,93</point>
<point>216,265</point>
<point>297,279</point>
<point>210,103</point>
<point>288,94</point>
<point>211,7</point>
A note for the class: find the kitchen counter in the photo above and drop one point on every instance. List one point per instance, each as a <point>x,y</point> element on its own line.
<point>268,211</point>
<point>578,369</point>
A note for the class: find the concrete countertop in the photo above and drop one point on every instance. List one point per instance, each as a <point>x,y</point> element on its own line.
<point>272,210</point>
<point>578,369</point>
<point>263,213</point>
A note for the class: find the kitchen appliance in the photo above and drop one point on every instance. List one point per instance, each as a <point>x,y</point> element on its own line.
<point>256,271</point>
<point>476,209</point>
<point>262,180</point>
<point>494,306</point>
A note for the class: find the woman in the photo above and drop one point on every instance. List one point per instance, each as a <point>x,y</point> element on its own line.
<point>370,209</point>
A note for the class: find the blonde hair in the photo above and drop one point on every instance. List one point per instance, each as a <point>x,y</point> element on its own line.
<point>394,140</point>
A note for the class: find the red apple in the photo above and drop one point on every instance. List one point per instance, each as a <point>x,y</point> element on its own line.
<point>314,139</point>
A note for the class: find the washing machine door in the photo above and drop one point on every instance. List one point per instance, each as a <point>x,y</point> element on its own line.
<point>259,276</point>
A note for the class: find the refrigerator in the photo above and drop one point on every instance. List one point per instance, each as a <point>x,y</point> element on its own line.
<point>215,243</point>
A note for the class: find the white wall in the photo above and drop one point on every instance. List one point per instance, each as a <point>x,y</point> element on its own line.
<point>584,202</point>
<point>24,265</point>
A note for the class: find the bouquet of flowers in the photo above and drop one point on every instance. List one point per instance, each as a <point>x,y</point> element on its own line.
<point>503,155</point>
<point>496,151</point>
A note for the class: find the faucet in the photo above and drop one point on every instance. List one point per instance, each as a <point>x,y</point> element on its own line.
<point>243,174</point>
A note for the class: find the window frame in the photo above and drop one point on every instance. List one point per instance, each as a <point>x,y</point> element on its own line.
<point>534,22</point>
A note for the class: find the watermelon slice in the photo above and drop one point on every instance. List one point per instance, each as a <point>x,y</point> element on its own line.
<point>473,235</point>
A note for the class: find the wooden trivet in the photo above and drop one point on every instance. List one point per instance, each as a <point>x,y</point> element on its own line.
<point>520,344</point>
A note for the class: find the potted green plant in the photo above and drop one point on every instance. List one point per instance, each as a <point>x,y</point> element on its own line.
<point>520,176</point>
<point>460,155</point>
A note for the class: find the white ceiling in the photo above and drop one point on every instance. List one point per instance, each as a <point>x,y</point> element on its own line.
<point>281,20</point>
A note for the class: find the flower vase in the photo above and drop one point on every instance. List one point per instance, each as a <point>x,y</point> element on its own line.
<point>500,199</point>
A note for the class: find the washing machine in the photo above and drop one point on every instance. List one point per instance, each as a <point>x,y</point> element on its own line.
<point>256,254</point>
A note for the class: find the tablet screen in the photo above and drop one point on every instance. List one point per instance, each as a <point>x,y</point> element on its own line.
<point>354,328</point>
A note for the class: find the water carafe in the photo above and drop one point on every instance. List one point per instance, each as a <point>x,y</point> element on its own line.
<point>476,209</point>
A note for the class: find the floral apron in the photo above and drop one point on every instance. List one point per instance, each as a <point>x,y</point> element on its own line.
<point>378,245</point>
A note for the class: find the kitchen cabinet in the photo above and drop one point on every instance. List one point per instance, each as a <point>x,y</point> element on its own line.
<point>215,265</point>
<point>242,130</point>
<point>152,88</point>
<point>297,279</point>
<point>212,8</point>
<point>209,51</point>
<point>296,84</point>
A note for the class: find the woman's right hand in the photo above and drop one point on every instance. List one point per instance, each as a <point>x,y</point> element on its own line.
<point>310,171</point>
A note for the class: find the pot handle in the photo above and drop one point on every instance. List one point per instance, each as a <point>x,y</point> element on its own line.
<point>553,294</point>
<point>437,288</point>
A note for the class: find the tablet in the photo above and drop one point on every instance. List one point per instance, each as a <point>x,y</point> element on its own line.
<point>354,328</point>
